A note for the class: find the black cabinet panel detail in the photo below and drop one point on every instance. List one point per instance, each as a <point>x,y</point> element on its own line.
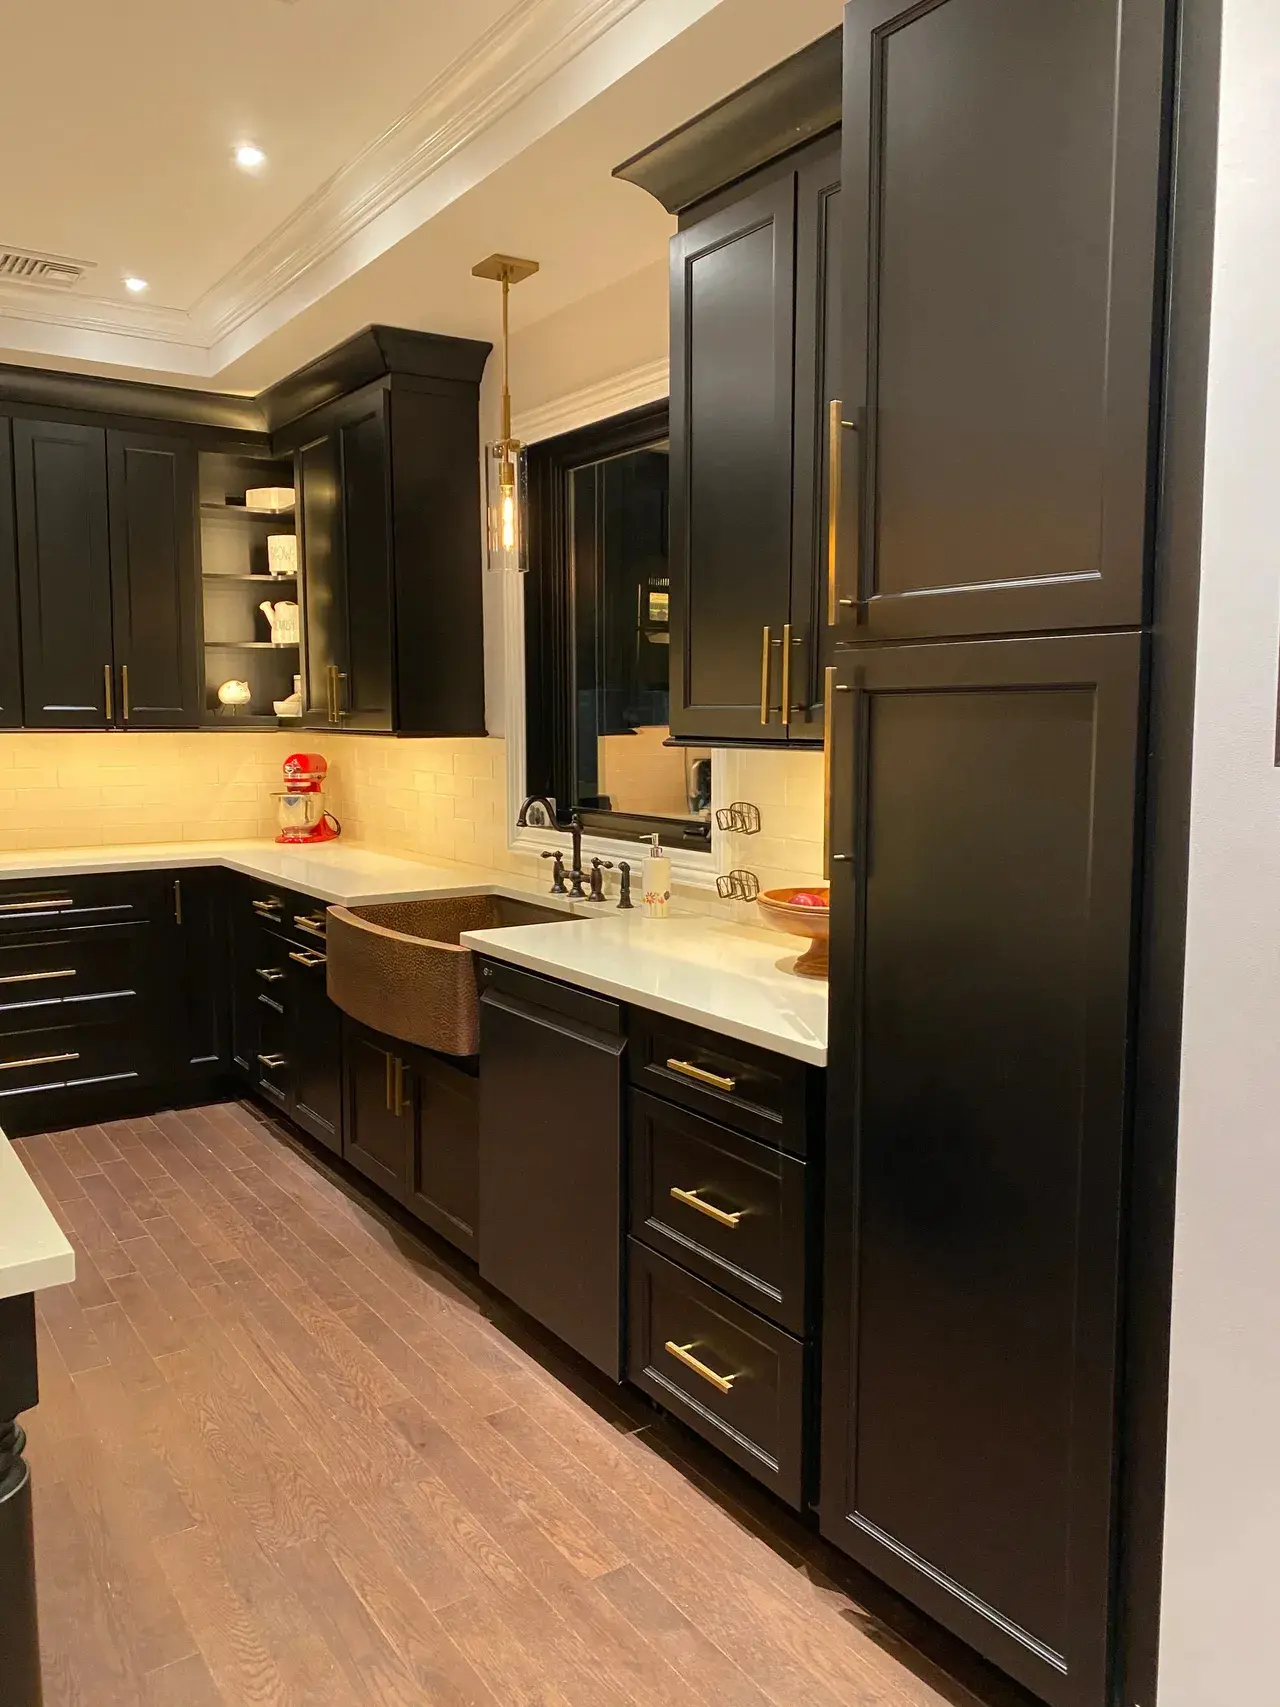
<point>10,639</point>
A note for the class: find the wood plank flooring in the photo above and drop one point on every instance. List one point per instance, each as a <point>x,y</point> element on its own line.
<point>287,1456</point>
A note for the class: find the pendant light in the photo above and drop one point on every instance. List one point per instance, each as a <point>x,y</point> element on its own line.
<point>504,466</point>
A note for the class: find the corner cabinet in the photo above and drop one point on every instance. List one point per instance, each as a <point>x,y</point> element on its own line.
<point>106,534</point>
<point>754,341</point>
<point>388,506</point>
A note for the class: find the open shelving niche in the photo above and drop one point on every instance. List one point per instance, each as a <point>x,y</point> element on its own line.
<point>235,579</point>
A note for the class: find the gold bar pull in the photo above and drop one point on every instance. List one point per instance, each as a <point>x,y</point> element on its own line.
<point>339,694</point>
<point>108,693</point>
<point>386,1090</point>
<point>687,1070</point>
<point>786,675</point>
<point>48,905</point>
<point>684,1354</point>
<point>835,414</point>
<point>269,974</point>
<point>37,977</point>
<point>398,1104</point>
<point>177,900</point>
<point>765,644</point>
<point>726,1217</point>
<point>274,1061</point>
<point>124,694</point>
<point>39,1061</point>
<point>828,722</point>
<point>307,957</point>
<point>312,923</point>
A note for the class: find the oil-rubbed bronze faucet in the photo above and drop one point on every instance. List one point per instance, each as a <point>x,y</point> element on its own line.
<point>574,827</point>
<point>598,869</point>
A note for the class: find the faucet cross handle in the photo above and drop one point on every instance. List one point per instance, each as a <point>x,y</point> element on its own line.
<point>557,872</point>
<point>598,869</point>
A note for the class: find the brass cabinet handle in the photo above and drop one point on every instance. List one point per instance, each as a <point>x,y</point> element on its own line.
<point>329,685</point>
<point>268,909</point>
<point>786,675</point>
<point>269,974</point>
<point>177,901</point>
<point>307,957</point>
<point>108,694</point>
<point>38,977</point>
<point>684,1354</point>
<point>39,1061</point>
<point>124,693</point>
<point>837,426</point>
<point>726,1217</point>
<point>687,1070</point>
<point>46,906</point>
<point>398,1104</point>
<point>828,721</point>
<point>339,694</point>
<point>388,1058</point>
<point>309,923</point>
<point>765,644</point>
<point>272,1060</point>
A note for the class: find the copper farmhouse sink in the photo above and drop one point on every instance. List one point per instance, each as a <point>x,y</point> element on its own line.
<point>398,967</point>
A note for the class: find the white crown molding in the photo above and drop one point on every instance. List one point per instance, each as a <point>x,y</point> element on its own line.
<point>649,383</point>
<point>39,305</point>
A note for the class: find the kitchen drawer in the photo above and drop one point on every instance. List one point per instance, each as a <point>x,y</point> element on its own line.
<point>64,1057</point>
<point>298,916</point>
<point>725,1206</point>
<point>85,974</point>
<point>32,905</point>
<point>766,1095</point>
<point>746,1395</point>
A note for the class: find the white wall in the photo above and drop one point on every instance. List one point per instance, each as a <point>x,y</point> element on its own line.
<point>1222,1572</point>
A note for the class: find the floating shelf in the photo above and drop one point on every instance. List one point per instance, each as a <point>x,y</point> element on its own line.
<point>258,580</point>
<point>243,510</point>
<point>252,645</point>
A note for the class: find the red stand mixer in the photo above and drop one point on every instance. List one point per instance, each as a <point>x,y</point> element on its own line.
<point>302,814</point>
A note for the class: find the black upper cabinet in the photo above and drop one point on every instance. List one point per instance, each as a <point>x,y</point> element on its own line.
<point>1001,244</point>
<point>64,574</point>
<point>153,487</point>
<point>982,917</point>
<point>10,643</point>
<point>752,288</point>
<point>389,498</point>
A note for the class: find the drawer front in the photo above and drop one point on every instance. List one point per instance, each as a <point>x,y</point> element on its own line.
<point>725,1206</point>
<point>751,1089</point>
<point>52,904</point>
<point>297,916</point>
<point>65,1057</point>
<point>725,1371</point>
<point>84,974</point>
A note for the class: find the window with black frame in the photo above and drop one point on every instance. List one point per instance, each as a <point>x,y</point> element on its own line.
<point>598,651</point>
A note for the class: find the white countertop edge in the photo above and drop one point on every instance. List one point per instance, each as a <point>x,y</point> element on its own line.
<point>34,1251</point>
<point>796,1049</point>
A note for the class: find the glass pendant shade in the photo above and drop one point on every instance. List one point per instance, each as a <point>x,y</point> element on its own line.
<point>506,494</point>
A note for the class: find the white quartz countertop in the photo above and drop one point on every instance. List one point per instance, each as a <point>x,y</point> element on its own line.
<point>729,978</point>
<point>34,1252</point>
<point>343,874</point>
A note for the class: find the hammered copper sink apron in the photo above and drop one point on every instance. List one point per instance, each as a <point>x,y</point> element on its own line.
<point>398,967</point>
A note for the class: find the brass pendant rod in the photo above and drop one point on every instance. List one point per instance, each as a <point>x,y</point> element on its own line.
<point>506,366</point>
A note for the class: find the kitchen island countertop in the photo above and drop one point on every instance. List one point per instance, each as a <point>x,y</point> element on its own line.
<point>34,1252</point>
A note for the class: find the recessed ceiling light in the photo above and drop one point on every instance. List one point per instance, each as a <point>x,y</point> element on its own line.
<point>137,286</point>
<point>249,157</point>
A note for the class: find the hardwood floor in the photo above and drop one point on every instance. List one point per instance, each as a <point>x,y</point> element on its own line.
<point>286,1456</point>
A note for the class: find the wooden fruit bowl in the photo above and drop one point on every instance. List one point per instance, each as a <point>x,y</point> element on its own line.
<point>813,922</point>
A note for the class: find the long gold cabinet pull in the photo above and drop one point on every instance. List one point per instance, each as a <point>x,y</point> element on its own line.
<point>39,1061</point>
<point>684,1354</point>
<point>50,904</point>
<point>273,1061</point>
<point>726,1217</point>
<point>124,694</point>
<point>837,426</point>
<point>38,977</point>
<point>687,1070</point>
<point>765,645</point>
<point>108,694</point>
<point>786,675</point>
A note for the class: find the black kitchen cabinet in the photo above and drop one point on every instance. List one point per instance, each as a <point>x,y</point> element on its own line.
<point>10,639</point>
<point>388,493</point>
<point>379,1134</point>
<point>551,1193</point>
<point>153,488</point>
<point>753,291</point>
<point>64,574</point>
<point>200,1011</point>
<point>999,297</point>
<point>982,921</point>
<point>317,1049</point>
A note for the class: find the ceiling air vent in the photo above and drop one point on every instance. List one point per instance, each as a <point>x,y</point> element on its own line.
<point>56,271</point>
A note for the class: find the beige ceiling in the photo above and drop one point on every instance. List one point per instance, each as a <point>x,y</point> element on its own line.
<point>145,165</point>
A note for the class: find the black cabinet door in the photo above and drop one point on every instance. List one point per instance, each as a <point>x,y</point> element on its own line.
<point>980,1028</point>
<point>817,382</point>
<point>445,1188</point>
<point>201,1004</point>
<point>732,324</point>
<point>64,574</point>
<point>154,498</point>
<point>380,1133</point>
<point>316,1049</point>
<point>1001,237</point>
<point>10,644</point>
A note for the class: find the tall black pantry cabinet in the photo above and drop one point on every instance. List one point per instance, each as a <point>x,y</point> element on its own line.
<point>1001,269</point>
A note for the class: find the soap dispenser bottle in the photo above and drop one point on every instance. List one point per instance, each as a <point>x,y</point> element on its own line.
<point>655,880</point>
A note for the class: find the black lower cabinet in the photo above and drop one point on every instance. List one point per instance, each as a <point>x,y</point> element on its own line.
<point>19,1391</point>
<point>982,920</point>
<point>411,1127</point>
<point>200,1013</point>
<point>551,1183</point>
<point>316,1049</point>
